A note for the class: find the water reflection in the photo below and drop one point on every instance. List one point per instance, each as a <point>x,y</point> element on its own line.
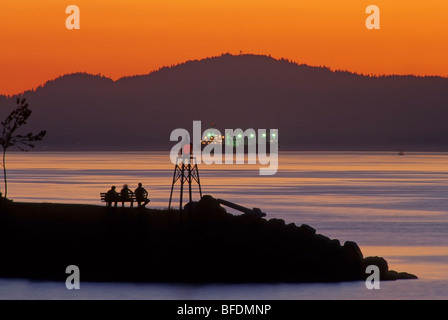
<point>379,200</point>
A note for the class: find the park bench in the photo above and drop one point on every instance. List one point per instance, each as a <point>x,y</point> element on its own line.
<point>130,199</point>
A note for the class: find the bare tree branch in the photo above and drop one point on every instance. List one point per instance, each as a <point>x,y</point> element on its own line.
<point>15,120</point>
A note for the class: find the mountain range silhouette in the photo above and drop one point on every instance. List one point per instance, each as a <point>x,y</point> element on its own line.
<point>313,108</point>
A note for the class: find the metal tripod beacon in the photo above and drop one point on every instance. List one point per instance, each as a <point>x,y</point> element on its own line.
<point>185,171</point>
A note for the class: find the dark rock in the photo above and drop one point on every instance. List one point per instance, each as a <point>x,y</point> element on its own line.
<point>291,226</point>
<point>306,229</point>
<point>210,206</point>
<point>385,273</point>
<point>335,243</point>
<point>353,252</point>
<point>258,213</point>
<point>380,262</point>
<point>355,259</point>
<point>394,275</point>
<point>191,207</point>
<point>276,223</point>
<point>323,239</point>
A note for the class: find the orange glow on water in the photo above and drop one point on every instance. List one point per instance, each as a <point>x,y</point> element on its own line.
<point>392,206</point>
<point>413,259</point>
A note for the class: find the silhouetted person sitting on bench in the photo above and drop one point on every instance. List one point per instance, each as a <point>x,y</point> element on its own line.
<point>126,195</point>
<point>141,195</point>
<point>111,196</point>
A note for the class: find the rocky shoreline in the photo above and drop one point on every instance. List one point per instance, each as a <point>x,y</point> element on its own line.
<point>203,244</point>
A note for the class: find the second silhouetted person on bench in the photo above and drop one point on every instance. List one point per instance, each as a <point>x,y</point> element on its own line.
<point>126,195</point>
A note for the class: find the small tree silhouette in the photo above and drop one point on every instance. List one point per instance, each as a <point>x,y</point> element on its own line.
<point>9,138</point>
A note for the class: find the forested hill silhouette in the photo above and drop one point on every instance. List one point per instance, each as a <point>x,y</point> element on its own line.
<point>313,107</point>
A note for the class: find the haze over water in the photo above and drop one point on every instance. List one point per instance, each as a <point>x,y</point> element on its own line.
<point>392,206</point>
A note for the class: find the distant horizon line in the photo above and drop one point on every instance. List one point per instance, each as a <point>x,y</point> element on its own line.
<point>371,75</point>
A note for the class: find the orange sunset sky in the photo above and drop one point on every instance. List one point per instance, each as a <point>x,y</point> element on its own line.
<point>119,38</point>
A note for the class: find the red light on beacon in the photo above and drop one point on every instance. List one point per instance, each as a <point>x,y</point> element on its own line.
<point>187,149</point>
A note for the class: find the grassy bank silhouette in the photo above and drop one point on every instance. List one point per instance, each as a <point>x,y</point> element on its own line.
<point>202,244</point>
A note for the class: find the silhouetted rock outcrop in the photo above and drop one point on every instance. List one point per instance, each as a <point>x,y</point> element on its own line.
<point>202,244</point>
<point>385,273</point>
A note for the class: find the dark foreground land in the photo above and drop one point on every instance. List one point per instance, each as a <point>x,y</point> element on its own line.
<point>206,244</point>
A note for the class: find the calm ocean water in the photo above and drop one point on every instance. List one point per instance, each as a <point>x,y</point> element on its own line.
<point>392,206</point>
